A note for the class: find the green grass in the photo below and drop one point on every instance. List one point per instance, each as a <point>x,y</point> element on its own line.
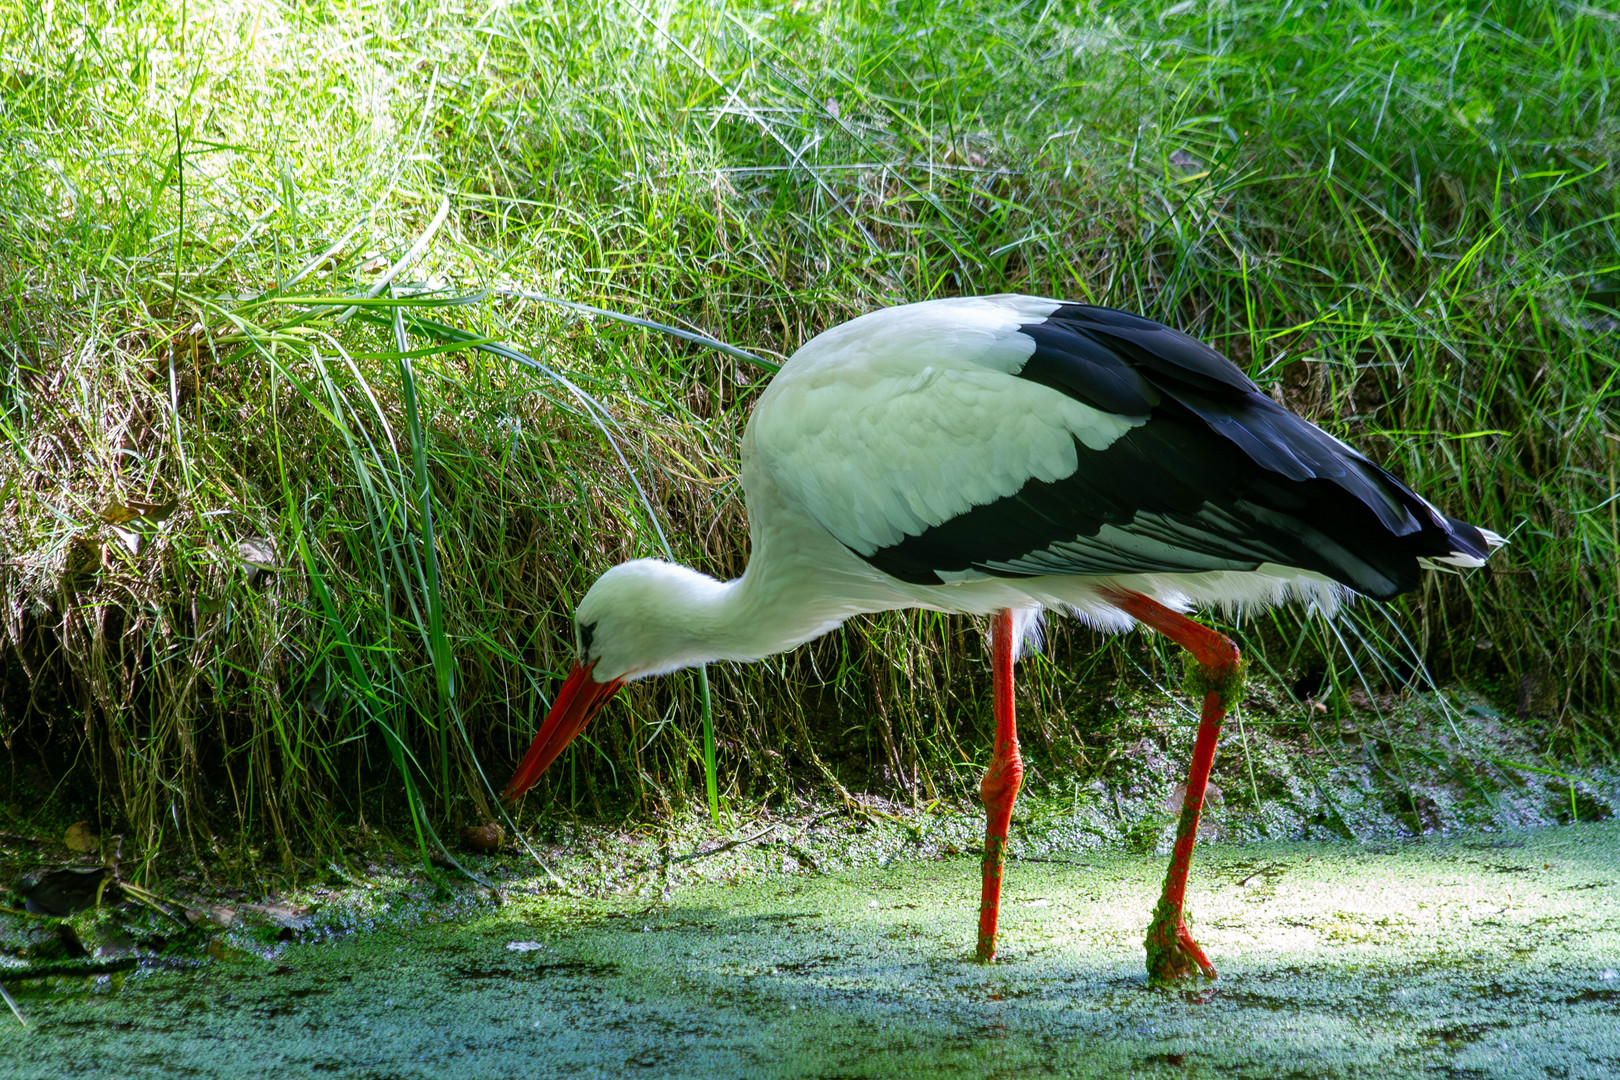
<point>1402,219</point>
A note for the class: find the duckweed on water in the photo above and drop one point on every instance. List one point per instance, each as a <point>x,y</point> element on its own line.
<point>1491,955</point>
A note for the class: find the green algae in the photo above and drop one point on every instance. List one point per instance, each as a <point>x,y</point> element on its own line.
<point>1227,682</point>
<point>1489,955</point>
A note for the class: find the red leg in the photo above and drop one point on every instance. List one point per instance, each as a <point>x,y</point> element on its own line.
<point>1172,954</point>
<point>999,788</point>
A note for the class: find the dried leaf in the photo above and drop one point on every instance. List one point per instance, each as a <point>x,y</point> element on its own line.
<point>258,554</point>
<point>218,915</point>
<point>1185,161</point>
<point>130,540</point>
<point>1213,796</point>
<point>155,512</point>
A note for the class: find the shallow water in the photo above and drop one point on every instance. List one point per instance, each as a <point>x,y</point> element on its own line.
<point>1494,955</point>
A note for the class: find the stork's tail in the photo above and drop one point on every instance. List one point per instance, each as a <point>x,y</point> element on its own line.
<point>1470,546</point>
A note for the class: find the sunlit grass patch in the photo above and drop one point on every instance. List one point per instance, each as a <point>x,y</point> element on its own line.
<point>1401,222</point>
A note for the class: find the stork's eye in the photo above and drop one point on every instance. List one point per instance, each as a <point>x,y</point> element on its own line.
<point>586,632</point>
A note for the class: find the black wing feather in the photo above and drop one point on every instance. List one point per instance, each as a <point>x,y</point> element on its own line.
<point>1219,477</point>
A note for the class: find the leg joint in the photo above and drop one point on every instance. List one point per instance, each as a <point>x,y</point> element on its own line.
<point>1001,783</point>
<point>1220,666</point>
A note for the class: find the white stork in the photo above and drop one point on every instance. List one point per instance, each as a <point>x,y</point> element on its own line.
<point>1000,455</point>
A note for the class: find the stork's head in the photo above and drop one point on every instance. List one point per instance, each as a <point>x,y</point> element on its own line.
<point>641,618</point>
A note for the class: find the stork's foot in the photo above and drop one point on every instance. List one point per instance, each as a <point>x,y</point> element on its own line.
<point>1172,954</point>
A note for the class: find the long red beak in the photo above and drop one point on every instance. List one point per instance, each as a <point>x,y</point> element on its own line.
<point>580,698</point>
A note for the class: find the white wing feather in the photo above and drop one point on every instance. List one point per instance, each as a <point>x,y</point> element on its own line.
<point>884,429</point>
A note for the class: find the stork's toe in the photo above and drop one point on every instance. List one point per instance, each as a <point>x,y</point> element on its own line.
<point>1172,954</point>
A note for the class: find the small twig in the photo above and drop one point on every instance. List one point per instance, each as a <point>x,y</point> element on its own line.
<point>696,855</point>
<point>665,860</point>
<point>871,813</point>
<point>1263,870</point>
<point>789,845</point>
<point>10,1001</point>
<point>151,900</point>
<point>819,818</point>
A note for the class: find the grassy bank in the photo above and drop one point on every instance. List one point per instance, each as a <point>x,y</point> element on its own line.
<point>270,557</point>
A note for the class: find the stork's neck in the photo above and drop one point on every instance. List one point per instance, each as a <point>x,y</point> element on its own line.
<point>800,582</point>
<point>649,618</point>
<point>768,610</point>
